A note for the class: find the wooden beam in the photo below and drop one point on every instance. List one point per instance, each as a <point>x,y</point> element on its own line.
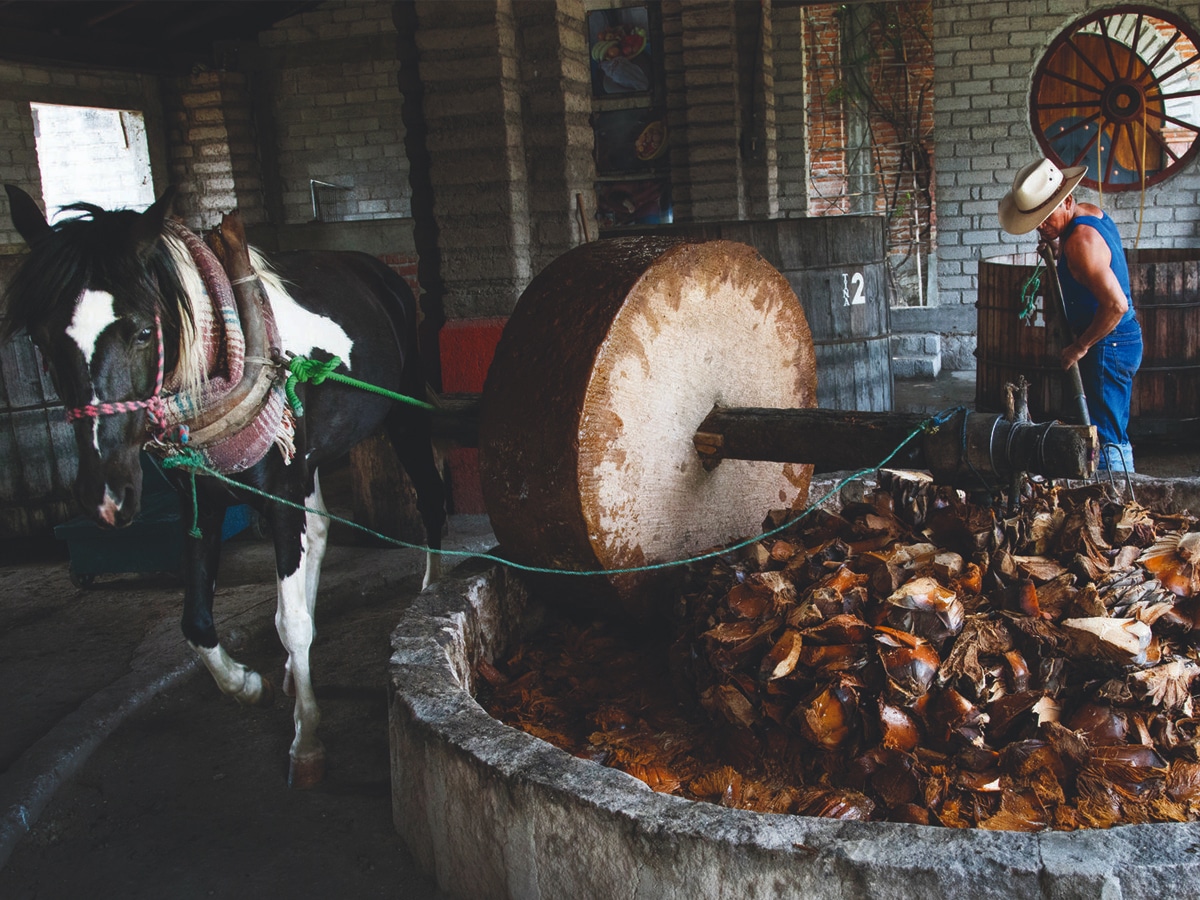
<point>967,445</point>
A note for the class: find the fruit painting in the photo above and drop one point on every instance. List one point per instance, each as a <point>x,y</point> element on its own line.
<point>620,51</point>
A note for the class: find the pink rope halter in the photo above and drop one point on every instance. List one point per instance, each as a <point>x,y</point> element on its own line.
<point>153,404</point>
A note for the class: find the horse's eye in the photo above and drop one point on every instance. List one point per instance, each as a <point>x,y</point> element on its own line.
<point>144,336</point>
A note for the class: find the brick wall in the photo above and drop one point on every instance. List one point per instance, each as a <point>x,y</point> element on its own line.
<point>758,143</point>
<point>719,70</point>
<point>710,112</point>
<point>827,185</point>
<point>405,266</point>
<point>791,121</point>
<point>985,54</point>
<point>556,101</point>
<point>213,149</point>
<point>884,84</point>
<point>97,155</point>
<point>469,67</point>
<point>335,102</point>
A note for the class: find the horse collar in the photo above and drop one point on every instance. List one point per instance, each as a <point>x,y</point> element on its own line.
<point>240,410</point>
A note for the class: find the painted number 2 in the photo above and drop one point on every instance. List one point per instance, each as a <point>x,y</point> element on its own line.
<point>859,296</point>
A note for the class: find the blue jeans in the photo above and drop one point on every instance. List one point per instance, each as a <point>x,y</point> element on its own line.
<point>1107,373</point>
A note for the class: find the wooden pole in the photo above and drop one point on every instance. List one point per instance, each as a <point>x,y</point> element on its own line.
<point>966,446</point>
<point>1055,300</point>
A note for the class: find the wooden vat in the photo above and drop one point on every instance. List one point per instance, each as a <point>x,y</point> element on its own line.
<point>1165,284</point>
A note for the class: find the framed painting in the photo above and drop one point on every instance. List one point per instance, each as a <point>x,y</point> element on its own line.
<point>619,40</point>
<point>630,140</point>
<point>633,202</point>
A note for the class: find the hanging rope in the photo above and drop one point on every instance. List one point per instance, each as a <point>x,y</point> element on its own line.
<point>1029,294</point>
<point>304,370</point>
<point>1142,205</point>
<point>192,461</point>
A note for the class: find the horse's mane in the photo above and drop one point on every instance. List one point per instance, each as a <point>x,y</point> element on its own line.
<point>97,248</point>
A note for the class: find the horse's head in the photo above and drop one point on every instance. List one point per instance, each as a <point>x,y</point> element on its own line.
<point>99,296</point>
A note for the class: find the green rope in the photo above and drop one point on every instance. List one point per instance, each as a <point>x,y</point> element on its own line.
<point>1029,293</point>
<point>312,371</point>
<point>194,461</point>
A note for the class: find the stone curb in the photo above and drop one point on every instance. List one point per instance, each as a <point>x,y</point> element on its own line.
<point>491,811</point>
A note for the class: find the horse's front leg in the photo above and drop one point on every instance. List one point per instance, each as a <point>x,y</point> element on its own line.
<point>294,621</point>
<point>201,559</point>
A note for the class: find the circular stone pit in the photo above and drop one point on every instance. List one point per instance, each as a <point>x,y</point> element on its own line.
<point>493,812</point>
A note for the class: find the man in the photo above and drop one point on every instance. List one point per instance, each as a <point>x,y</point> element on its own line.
<point>1095,289</point>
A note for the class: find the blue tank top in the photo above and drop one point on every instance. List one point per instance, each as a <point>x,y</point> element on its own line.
<point>1080,302</point>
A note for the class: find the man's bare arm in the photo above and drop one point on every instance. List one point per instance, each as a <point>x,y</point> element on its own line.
<point>1090,261</point>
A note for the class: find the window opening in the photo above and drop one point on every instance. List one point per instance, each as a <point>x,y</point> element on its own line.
<point>93,155</point>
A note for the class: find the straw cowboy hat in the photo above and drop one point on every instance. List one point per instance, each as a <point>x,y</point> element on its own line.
<point>1036,192</point>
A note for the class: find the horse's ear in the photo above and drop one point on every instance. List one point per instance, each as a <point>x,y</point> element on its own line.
<point>150,225</point>
<point>26,216</point>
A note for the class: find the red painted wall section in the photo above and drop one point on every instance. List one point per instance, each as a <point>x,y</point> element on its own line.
<point>467,347</point>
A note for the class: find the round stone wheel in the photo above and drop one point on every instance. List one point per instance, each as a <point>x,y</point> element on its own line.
<point>611,359</point>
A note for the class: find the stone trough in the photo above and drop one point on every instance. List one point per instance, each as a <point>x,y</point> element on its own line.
<point>493,812</point>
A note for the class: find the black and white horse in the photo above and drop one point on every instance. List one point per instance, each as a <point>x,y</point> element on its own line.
<point>110,298</point>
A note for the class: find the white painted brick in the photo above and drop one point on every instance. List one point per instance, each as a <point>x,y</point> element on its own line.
<point>989,71</point>
<point>969,88</point>
<point>989,42</point>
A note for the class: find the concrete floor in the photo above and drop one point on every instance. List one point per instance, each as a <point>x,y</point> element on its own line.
<point>124,772</point>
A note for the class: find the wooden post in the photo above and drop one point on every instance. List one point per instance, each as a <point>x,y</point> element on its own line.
<point>381,496</point>
<point>967,445</point>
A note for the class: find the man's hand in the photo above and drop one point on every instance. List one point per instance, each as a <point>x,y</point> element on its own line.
<point>1072,354</point>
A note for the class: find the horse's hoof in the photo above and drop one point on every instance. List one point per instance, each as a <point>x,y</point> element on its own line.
<point>257,691</point>
<point>307,772</point>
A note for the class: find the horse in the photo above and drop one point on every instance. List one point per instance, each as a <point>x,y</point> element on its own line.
<point>113,299</point>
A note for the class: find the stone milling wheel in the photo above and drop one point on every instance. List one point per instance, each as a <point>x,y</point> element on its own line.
<point>612,357</point>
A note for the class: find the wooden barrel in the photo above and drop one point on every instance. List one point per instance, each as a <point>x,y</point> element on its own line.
<point>836,266</point>
<point>37,450</point>
<point>1165,284</point>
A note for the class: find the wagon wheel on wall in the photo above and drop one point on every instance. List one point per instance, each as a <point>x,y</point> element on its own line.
<point>1118,91</point>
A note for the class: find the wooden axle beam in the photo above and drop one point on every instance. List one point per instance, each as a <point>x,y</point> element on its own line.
<point>963,448</point>
<point>966,446</point>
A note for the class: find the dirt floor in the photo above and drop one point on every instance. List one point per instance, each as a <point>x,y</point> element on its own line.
<point>124,772</point>
<point>187,796</point>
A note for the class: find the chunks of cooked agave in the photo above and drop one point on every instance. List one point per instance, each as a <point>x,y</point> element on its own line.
<point>914,658</point>
<point>1036,672</point>
<point>924,607</point>
<point>1175,560</point>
